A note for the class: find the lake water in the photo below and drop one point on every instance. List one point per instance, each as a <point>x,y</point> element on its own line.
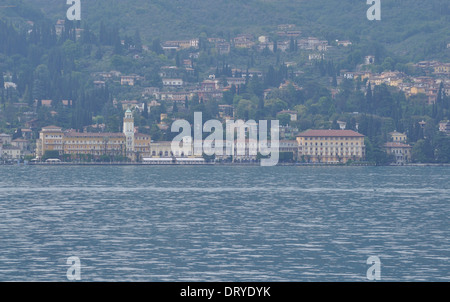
<point>206,223</point>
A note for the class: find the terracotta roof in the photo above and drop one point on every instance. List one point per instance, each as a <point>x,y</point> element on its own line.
<point>10,148</point>
<point>396,132</point>
<point>88,134</point>
<point>51,127</point>
<point>142,135</point>
<point>328,133</point>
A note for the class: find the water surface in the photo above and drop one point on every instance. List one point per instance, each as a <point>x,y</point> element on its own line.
<point>191,223</point>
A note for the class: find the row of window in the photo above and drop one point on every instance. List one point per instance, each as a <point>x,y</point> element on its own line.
<point>335,154</point>
<point>54,147</point>
<point>332,138</point>
<point>397,151</point>
<point>53,136</point>
<point>94,142</point>
<point>326,149</point>
<point>166,153</point>
<point>70,148</point>
<point>331,144</point>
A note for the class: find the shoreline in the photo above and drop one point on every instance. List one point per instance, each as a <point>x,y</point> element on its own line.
<point>224,164</point>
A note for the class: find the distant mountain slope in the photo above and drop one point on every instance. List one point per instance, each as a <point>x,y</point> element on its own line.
<point>17,10</point>
<point>414,28</point>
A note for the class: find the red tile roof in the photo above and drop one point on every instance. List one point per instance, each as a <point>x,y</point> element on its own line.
<point>88,134</point>
<point>51,127</point>
<point>142,135</point>
<point>328,133</point>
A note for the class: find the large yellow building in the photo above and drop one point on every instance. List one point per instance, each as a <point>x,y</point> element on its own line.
<point>95,144</point>
<point>128,143</point>
<point>330,146</point>
<point>50,139</point>
<point>442,68</point>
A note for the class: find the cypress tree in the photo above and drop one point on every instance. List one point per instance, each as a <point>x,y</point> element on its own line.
<point>369,98</point>
<point>145,112</point>
<point>174,108</point>
<point>137,40</point>
<point>2,86</point>
<point>102,35</point>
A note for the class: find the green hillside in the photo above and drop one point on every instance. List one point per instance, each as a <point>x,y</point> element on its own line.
<point>418,29</point>
<point>39,64</point>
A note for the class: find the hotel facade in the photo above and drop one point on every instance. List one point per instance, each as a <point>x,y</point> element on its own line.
<point>330,146</point>
<point>127,144</point>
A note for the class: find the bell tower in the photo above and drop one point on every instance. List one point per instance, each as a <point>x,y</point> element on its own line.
<point>128,130</point>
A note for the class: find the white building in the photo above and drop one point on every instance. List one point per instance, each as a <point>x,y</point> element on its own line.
<point>173,82</point>
<point>128,130</point>
<point>368,60</point>
<point>5,139</point>
<point>10,152</point>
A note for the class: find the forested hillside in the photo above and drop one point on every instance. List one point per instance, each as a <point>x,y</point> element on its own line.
<point>419,29</point>
<point>52,77</point>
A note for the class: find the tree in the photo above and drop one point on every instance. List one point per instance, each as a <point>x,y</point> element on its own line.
<point>442,148</point>
<point>145,112</point>
<point>286,157</point>
<point>174,108</point>
<point>422,152</point>
<point>284,119</point>
<point>50,154</point>
<point>17,134</point>
<point>291,45</point>
<point>273,106</point>
<point>177,60</point>
<point>137,40</point>
<point>376,155</point>
<point>156,47</point>
<point>245,109</point>
<point>2,80</point>
<point>2,86</point>
<point>369,100</point>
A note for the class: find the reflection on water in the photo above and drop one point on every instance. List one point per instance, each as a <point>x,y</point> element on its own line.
<point>132,223</point>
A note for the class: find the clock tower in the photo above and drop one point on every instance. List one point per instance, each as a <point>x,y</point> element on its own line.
<point>128,130</point>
